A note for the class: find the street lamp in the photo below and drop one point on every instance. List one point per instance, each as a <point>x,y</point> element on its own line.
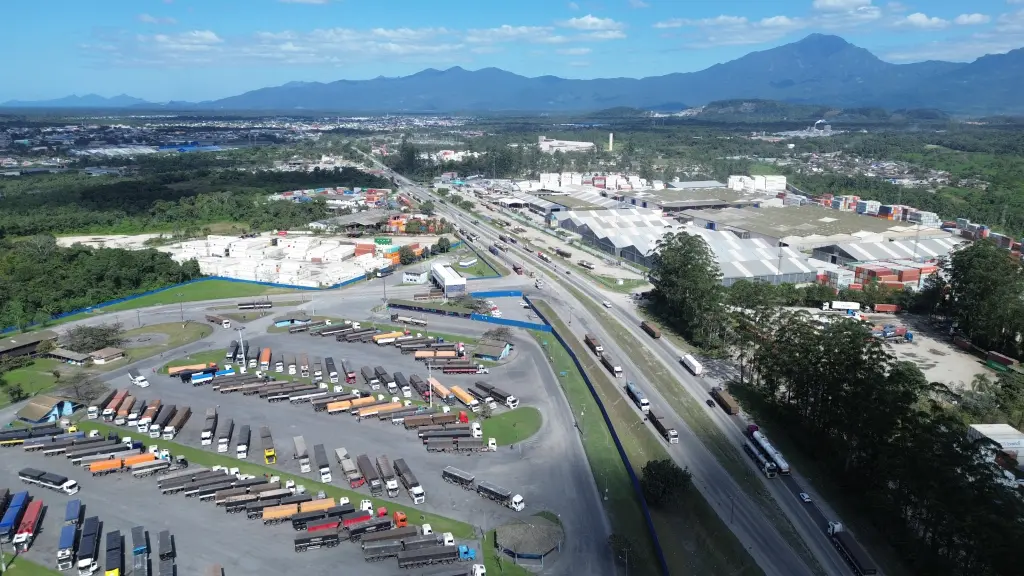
<point>241,342</point>
<point>181,306</point>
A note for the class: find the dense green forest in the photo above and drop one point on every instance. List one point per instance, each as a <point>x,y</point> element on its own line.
<point>39,279</point>
<point>166,193</point>
<point>885,435</point>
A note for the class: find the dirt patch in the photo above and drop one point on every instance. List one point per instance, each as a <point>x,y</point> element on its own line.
<point>146,340</point>
<point>934,353</point>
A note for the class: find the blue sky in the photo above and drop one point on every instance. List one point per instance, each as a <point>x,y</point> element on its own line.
<point>203,49</point>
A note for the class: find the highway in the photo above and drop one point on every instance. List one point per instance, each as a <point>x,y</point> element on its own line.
<point>743,515</point>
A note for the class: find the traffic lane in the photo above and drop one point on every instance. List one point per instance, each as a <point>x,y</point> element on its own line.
<point>556,488</point>
<point>811,509</point>
<point>203,533</point>
<point>767,547</point>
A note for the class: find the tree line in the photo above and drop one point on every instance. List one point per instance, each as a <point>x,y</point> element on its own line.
<point>885,436</point>
<point>39,279</point>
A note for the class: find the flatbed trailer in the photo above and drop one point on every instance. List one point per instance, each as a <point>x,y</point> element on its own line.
<point>317,541</point>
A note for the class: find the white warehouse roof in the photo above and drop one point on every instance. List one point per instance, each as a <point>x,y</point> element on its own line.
<point>900,249</point>
<point>447,275</point>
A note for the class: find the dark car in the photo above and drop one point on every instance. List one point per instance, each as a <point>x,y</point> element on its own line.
<point>710,402</point>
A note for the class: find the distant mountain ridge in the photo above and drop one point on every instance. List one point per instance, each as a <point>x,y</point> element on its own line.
<point>73,101</point>
<point>819,69</point>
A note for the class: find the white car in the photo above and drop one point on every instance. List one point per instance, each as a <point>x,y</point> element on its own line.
<point>805,497</point>
<point>524,304</point>
<point>606,304</point>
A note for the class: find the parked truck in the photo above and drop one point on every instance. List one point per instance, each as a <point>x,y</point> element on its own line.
<point>458,477</point>
<point>725,400</point>
<point>140,552</point>
<point>267,441</point>
<point>387,474</point>
<point>349,468</point>
<point>370,475</point>
<point>638,397</point>
<point>29,526</point>
<point>209,427</point>
<point>595,346</point>
<point>177,423</point>
<point>12,516</point>
<point>501,495</point>
<point>227,427</point>
<point>89,547</point>
<point>242,443</point>
<point>692,364</point>
<point>54,482</point>
<point>317,541</point>
<point>323,466</point>
<point>110,410</point>
<point>437,555</point>
<point>611,366</point>
<point>851,550</point>
<point>66,547</point>
<point>301,453</point>
<point>669,434</point>
<point>651,329</point>
<point>408,479</point>
<point>499,395</point>
<point>113,563</point>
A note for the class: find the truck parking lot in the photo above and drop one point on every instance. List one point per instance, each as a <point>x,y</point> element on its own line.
<point>546,469</point>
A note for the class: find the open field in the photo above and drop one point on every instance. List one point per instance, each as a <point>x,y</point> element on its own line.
<point>694,538</point>
<point>690,410</point>
<point>157,338</point>
<point>37,377</point>
<point>210,459</point>
<point>206,290</point>
<point>20,566</point>
<point>605,464</point>
<point>512,426</point>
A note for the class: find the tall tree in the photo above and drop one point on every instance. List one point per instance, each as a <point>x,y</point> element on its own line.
<point>687,288</point>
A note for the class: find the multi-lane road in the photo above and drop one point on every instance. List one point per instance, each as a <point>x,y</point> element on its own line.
<point>742,514</point>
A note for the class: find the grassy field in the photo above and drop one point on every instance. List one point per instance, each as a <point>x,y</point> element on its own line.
<point>284,329</point>
<point>691,411</point>
<point>37,377</point>
<point>628,284</point>
<point>609,472</point>
<point>513,426</point>
<point>197,358</point>
<point>21,566</point>
<point>175,336</point>
<point>209,459</point>
<point>480,268</point>
<point>694,539</point>
<point>206,290</point>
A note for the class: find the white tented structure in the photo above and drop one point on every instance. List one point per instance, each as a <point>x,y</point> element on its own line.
<point>447,279</point>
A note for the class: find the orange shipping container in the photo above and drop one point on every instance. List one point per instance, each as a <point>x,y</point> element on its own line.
<point>423,354</point>
<point>139,459</point>
<point>104,466</point>
<point>317,505</point>
<point>339,406</point>
<point>362,401</point>
<point>445,354</point>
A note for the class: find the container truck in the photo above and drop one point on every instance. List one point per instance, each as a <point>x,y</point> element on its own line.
<point>666,432</point>
<point>113,562</point>
<point>165,547</point>
<point>177,423</point>
<point>242,443</point>
<point>436,555</point>
<point>322,464</point>
<point>95,410</point>
<point>29,525</point>
<point>265,356</point>
<point>499,395</point>
<point>376,409</point>
<point>229,353</point>
<point>393,535</point>
<point>301,453</point>
<point>428,540</point>
<point>267,441</point>
<point>219,320</point>
<point>110,410</point>
<point>725,400</point>
<point>332,370</point>
<point>161,420</point>
<point>12,516</point>
<point>280,513</point>
<point>318,370</point>
<point>453,475</point>
<point>357,530</point>
<point>408,479</point>
<point>303,365</point>
<point>370,378</point>
<point>72,511</point>
<point>440,392</point>
<point>143,469</point>
<point>851,550</point>
<point>611,366</point>
<point>466,398</point>
<point>839,306</point>
<point>595,346</point>
<point>691,363</point>
<point>651,329</point>
<point>66,547</point>
<point>349,468</point>
<point>387,474</point>
<point>279,362</point>
<point>320,404</point>
<point>370,475</point>
<point>638,397</point>
<point>89,547</point>
<point>317,541</point>
<point>224,435</point>
<point>383,550</point>
<point>209,427</point>
<point>140,552</point>
<point>501,495</point>
<point>349,371</point>
<point>48,480</point>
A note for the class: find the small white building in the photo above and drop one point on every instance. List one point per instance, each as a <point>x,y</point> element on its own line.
<point>448,279</point>
<point>415,277</point>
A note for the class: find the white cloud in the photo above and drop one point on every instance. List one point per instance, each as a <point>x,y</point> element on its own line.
<point>592,23</point>
<point>574,51</point>
<point>839,5</point>
<point>1006,34</point>
<point>896,7</point>
<point>638,4</point>
<point>922,21</point>
<point>506,33</point>
<point>408,34</point>
<point>972,19</point>
<point>573,6</point>
<point>150,19</point>
<point>604,35</point>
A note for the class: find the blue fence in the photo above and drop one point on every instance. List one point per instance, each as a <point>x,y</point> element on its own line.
<point>497,294</point>
<point>512,323</point>
<point>618,443</point>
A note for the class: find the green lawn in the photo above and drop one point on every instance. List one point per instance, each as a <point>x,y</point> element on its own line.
<point>480,268</point>
<point>206,290</point>
<point>499,564</point>
<point>609,472</point>
<point>209,459</point>
<point>694,539</point>
<point>628,285</point>
<point>176,336</point>
<point>548,515</point>
<point>284,329</point>
<point>513,426</point>
<point>691,411</point>
<point>37,377</point>
<point>197,358</point>
<point>21,566</point>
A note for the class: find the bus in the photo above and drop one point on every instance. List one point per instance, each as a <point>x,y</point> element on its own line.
<point>255,305</point>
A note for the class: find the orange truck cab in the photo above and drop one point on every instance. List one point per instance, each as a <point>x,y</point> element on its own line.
<point>463,418</point>
<point>400,519</point>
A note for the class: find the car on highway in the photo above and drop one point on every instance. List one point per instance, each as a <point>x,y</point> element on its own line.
<point>710,402</point>
<point>805,497</point>
<point>606,304</point>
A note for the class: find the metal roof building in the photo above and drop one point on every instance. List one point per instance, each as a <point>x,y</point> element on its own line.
<point>922,250</point>
<point>755,260</point>
<point>448,279</point>
<point>631,233</point>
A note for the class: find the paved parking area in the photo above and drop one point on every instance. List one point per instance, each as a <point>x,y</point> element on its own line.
<point>548,469</point>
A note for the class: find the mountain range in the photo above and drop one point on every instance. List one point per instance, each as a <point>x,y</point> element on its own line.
<point>819,69</point>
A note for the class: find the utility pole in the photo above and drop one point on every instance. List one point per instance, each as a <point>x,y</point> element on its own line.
<point>181,306</point>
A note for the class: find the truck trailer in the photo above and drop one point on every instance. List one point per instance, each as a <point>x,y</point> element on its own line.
<point>408,479</point>
<point>242,443</point>
<point>435,555</point>
<point>89,547</point>
<point>224,431</point>
<point>267,441</point>
<point>301,453</point>
<point>48,480</point>
<point>323,465</point>
<point>668,433</point>
<point>66,547</point>
<point>461,478</point>
<point>502,496</point>
<point>370,475</point>
<point>209,427</point>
